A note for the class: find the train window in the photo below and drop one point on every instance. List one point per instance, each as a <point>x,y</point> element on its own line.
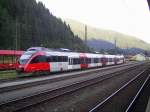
<point>65,59</point>
<point>59,59</point>
<point>48,59</point>
<point>42,58</point>
<point>88,60</point>
<point>76,61</point>
<point>110,59</point>
<point>54,58</point>
<point>71,61</point>
<point>103,59</point>
<point>92,60</point>
<point>95,60</point>
<point>35,60</point>
<point>79,61</point>
<point>39,59</point>
<point>82,60</point>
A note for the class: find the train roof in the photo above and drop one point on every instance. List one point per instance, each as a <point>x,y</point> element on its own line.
<point>37,49</point>
<point>73,54</point>
<point>53,52</point>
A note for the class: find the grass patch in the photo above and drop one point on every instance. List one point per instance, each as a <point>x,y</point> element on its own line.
<point>8,74</point>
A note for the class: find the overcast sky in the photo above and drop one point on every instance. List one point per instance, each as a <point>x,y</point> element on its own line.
<point>127,16</point>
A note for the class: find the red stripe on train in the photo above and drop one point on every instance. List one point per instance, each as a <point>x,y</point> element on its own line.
<point>38,67</point>
<point>82,66</point>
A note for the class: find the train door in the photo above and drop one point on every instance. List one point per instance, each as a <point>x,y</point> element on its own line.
<point>70,64</point>
<point>62,63</point>
<point>116,61</point>
<point>104,61</point>
<point>54,64</point>
<point>65,63</point>
<point>83,62</point>
<point>59,63</point>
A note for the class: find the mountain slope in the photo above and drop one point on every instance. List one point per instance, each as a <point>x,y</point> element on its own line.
<point>26,23</point>
<point>122,40</point>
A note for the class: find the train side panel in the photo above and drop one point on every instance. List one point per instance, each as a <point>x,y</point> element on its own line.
<point>62,61</point>
<point>58,66</point>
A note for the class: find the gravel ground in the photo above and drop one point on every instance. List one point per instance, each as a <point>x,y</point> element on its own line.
<point>82,100</point>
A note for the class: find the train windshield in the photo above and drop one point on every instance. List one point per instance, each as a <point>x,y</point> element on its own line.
<point>25,57</point>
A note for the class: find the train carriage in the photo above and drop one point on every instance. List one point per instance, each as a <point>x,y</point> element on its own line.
<point>55,61</point>
<point>95,60</point>
<point>74,61</point>
<point>119,59</point>
<point>110,59</point>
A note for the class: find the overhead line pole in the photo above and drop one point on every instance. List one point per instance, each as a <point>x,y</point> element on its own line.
<point>85,35</point>
<point>16,42</point>
<point>115,42</point>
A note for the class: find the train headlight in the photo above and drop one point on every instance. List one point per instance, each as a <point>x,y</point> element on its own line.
<point>20,66</point>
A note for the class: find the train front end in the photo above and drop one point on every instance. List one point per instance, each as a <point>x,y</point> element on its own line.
<point>33,61</point>
<point>24,61</point>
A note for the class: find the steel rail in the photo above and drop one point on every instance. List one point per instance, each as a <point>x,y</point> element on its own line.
<point>95,108</point>
<point>137,95</point>
<point>35,83</point>
<point>72,86</point>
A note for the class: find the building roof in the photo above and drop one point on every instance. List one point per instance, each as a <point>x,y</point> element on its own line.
<point>140,54</point>
<point>11,52</point>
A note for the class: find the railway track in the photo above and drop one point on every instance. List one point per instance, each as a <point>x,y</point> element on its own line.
<point>24,83</point>
<point>133,102</point>
<point>22,104</point>
<point>111,102</point>
<point>27,77</point>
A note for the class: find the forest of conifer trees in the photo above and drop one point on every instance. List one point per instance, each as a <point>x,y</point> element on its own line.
<point>26,23</point>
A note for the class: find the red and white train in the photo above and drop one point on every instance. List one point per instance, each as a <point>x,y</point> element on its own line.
<point>41,59</point>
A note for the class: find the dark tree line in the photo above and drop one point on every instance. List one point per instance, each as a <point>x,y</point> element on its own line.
<point>26,23</point>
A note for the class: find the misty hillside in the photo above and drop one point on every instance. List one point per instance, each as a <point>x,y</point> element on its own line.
<point>97,36</point>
